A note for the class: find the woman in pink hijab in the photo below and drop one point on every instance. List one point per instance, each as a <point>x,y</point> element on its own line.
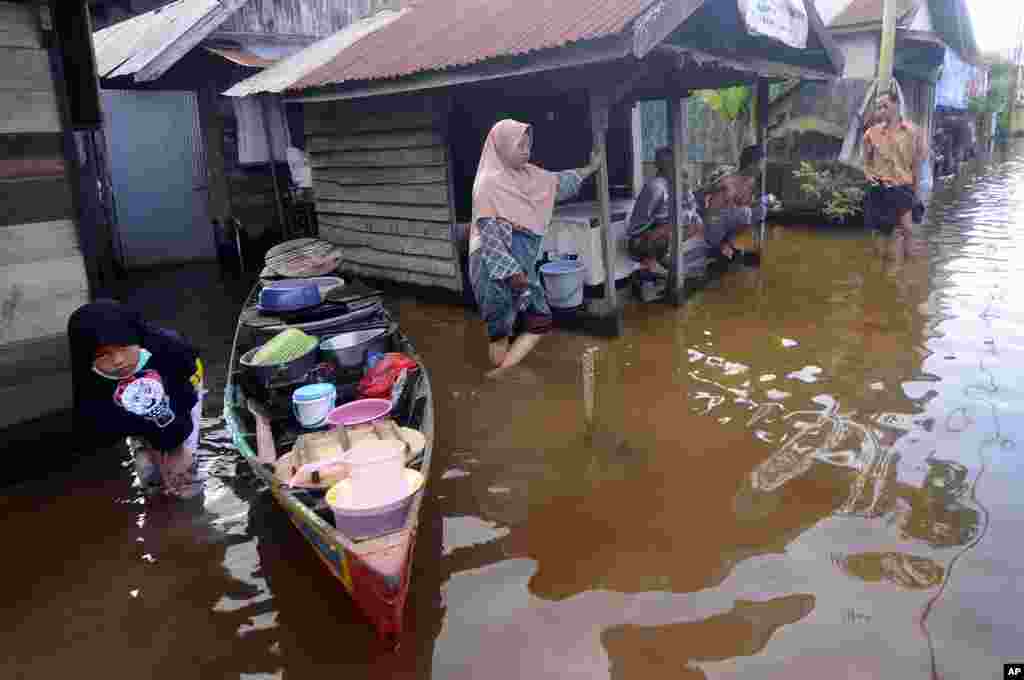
<point>512,205</point>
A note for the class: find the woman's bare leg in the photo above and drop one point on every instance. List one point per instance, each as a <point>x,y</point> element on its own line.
<point>523,345</point>
<point>497,351</point>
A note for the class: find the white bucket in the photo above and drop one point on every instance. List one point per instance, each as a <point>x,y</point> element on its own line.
<point>563,280</point>
<point>376,472</point>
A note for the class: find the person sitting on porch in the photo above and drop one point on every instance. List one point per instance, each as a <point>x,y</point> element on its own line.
<point>726,203</point>
<point>650,230</point>
<point>131,379</point>
<point>512,205</point>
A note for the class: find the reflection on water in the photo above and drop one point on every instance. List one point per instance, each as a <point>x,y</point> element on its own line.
<point>810,466</point>
<point>670,651</point>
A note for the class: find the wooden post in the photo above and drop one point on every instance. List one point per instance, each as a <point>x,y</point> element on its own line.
<point>761,101</point>
<point>677,140</point>
<point>599,111</point>
<point>887,49</point>
<point>213,138</point>
<point>264,109</point>
<point>636,137</point>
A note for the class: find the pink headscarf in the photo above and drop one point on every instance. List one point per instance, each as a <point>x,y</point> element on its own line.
<point>507,187</point>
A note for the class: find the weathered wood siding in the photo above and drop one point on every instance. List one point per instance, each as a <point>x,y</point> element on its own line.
<point>295,17</point>
<point>42,272</point>
<point>382,191</point>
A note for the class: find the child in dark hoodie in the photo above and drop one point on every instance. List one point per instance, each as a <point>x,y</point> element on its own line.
<point>130,379</point>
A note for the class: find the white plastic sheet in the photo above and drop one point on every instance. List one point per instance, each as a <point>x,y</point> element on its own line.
<point>782,20</point>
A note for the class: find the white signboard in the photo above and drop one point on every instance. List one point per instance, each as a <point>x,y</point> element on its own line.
<point>783,20</point>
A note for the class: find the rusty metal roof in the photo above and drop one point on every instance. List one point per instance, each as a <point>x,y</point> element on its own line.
<point>283,74</point>
<point>440,34</point>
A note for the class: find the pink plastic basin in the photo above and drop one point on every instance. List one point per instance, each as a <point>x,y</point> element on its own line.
<point>359,411</point>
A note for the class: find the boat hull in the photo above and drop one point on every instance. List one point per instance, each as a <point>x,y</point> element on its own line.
<point>375,573</point>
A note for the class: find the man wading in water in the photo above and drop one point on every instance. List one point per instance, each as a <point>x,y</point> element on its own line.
<point>893,151</point>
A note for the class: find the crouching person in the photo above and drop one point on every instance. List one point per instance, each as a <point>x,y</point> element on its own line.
<point>650,228</point>
<point>133,380</point>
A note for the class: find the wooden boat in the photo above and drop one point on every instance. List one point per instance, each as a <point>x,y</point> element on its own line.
<point>375,572</point>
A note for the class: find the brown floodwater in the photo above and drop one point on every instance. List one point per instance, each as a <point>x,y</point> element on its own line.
<point>810,470</point>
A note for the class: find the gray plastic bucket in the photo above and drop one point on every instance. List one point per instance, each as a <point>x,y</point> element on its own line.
<point>563,280</point>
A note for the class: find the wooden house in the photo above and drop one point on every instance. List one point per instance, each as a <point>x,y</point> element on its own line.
<point>175,146</point>
<point>395,134</point>
<point>53,240</point>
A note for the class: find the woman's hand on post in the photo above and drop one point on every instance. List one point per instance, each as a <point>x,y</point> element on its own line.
<point>596,158</point>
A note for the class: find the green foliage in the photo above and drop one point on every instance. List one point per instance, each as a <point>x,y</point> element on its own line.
<point>729,102</point>
<point>838,189</point>
<point>1000,78</point>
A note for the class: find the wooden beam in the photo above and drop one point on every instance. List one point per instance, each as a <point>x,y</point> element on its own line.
<point>219,190</point>
<point>402,276</point>
<point>690,56</point>
<point>25,111</point>
<point>387,158</point>
<point>411,194</point>
<point>371,176</point>
<point>24,69</point>
<point>24,201</point>
<point>762,101</point>
<point>32,155</point>
<point>411,263</point>
<point>365,142</point>
<point>599,112</point>
<point>349,118</point>
<point>265,103</point>
<point>388,243</point>
<point>454,244</point>
<point>654,25</point>
<point>184,44</point>
<point>677,140</point>
<point>636,138</point>
<point>386,225</point>
<point>39,396</point>
<point>38,297</point>
<point>22,361</point>
<point>38,242</point>
<point>19,25</point>
<point>429,213</point>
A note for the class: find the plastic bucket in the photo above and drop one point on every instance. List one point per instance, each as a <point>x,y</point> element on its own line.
<point>376,471</point>
<point>563,280</point>
<point>312,403</point>
<point>358,522</point>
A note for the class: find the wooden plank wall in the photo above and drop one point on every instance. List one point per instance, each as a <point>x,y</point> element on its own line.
<point>381,185</point>
<point>42,271</point>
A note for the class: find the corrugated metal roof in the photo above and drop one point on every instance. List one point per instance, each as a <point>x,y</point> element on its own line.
<point>439,34</point>
<point>870,11</point>
<point>128,47</point>
<point>282,75</point>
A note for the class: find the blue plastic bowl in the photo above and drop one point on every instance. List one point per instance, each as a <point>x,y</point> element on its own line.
<point>288,296</point>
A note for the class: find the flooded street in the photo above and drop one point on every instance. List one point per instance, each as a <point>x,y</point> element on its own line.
<point>810,470</point>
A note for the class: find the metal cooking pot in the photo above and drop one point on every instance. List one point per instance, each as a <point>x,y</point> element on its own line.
<point>349,350</point>
<point>289,371</point>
